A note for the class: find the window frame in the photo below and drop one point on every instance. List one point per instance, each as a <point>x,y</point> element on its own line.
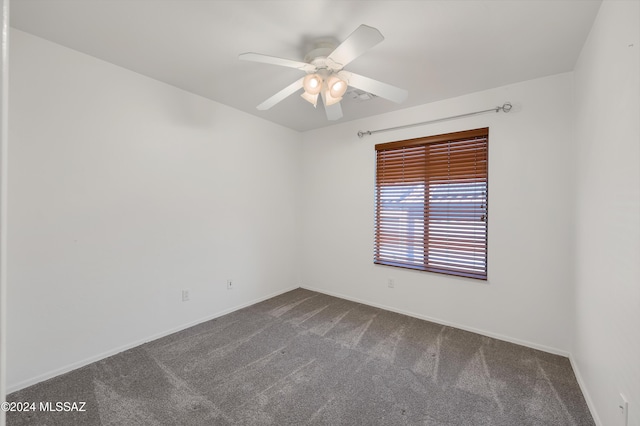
<point>480,134</point>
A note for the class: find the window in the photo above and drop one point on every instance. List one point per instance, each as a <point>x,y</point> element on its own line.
<point>431,203</point>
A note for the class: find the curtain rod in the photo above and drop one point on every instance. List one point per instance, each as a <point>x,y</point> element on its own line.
<point>506,107</point>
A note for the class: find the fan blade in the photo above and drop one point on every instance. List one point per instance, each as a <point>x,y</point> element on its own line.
<point>376,87</point>
<point>334,112</point>
<point>281,95</point>
<point>358,42</point>
<point>257,57</point>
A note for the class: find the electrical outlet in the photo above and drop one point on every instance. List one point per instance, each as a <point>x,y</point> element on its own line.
<point>230,284</point>
<point>623,407</point>
<point>391,282</point>
<point>185,295</point>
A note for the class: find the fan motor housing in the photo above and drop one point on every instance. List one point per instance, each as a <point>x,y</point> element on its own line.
<point>320,49</point>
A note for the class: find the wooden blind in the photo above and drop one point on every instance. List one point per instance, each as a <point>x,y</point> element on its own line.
<point>431,203</point>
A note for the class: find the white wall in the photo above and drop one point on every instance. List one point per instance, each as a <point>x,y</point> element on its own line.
<point>124,191</point>
<point>607,296</point>
<point>528,295</point>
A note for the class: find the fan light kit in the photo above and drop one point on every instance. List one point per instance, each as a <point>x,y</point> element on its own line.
<point>333,89</point>
<point>326,77</point>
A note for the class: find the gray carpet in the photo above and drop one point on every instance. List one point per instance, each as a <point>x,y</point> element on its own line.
<point>307,358</point>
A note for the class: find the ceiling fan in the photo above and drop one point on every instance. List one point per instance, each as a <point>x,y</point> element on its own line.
<point>325,75</point>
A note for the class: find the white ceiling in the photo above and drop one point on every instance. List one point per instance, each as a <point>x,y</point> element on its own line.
<point>436,49</point>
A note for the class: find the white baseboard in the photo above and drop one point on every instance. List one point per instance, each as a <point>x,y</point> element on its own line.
<point>528,344</point>
<point>73,366</point>
<point>585,393</point>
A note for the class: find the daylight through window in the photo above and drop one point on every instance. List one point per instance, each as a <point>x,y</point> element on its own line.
<point>431,203</point>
